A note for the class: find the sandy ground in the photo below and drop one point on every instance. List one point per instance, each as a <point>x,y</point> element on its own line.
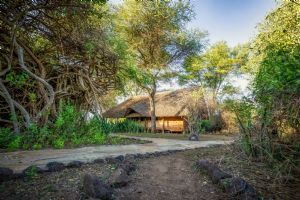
<point>169,177</point>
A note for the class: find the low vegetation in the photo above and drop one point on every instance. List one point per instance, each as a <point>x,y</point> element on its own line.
<point>70,129</point>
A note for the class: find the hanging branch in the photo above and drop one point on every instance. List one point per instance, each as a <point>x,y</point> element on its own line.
<point>47,85</point>
<point>10,102</point>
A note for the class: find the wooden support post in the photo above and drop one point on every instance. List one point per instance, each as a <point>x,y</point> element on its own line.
<point>163,126</point>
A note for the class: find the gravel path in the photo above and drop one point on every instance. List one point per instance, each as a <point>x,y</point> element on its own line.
<point>20,160</point>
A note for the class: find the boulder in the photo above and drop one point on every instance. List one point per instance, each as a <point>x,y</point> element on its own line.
<point>239,188</point>
<point>96,188</point>
<point>128,167</point>
<point>55,166</point>
<point>99,161</point>
<point>119,178</point>
<point>194,137</point>
<point>138,156</point>
<point>120,158</point>
<point>129,157</point>
<point>5,174</point>
<point>217,175</point>
<point>114,160</point>
<point>206,166</point>
<point>75,164</point>
<point>213,171</point>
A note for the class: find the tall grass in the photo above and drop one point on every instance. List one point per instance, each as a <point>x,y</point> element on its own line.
<point>126,126</point>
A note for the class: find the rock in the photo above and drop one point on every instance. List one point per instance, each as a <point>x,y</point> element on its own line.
<point>128,167</point>
<point>116,160</point>
<point>120,158</point>
<point>55,166</point>
<point>119,178</point>
<point>75,164</point>
<point>96,188</point>
<point>129,157</point>
<point>5,174</point>
<point>156,153</point>
<point>194,137</point>
<point>147,155</point>
<point>213,171</point>
<point>239,188</point>
<point>111,160</point>
<point>217,175</point>
<point>99,161</point>
<point>206,166</point>
<point>138,156</point>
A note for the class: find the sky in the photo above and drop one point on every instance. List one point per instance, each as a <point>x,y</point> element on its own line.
<point>233,21</point>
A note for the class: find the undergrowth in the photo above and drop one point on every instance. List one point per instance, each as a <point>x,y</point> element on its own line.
<point>69,129</point>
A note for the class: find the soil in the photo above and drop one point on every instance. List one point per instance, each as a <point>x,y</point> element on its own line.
<point>169,177</point>
<point>172,176</point>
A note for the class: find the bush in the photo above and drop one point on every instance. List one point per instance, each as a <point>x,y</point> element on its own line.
<point>205,126</point>
<point>59,143</point>
<point>68,128</point>
<point>6,137</point>
<point>126,125</point>
<point>15,143</point>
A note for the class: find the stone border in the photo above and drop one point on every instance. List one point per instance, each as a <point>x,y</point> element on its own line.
<point>8,174</point>
<point>236,187</point>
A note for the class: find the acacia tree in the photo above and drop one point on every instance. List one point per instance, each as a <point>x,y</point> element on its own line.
<point>210,70</point>
<point>156,38</point>
<point>52,51</point>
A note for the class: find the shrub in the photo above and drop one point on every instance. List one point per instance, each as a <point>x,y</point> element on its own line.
<point>99,138</point>
<point>205,126</point>
<point>15,143</point>
<point>37,146</point>
<point>68,128</point>
<point>6,137</point>
<point>59,143</point>
<point>126,125</point>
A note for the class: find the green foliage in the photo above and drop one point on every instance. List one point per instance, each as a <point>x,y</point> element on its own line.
<point>126,126</point>
<point>15,143</point>
<point>37,146</point>
<point>59,143</point>
<point>17,79</point>
<point>276,60</point>
<point>31,172</point>
<point>69,128</point>
<point>209,69</point>
<point>246,145</point>
<point>205,126</point>
<point>6,137</point>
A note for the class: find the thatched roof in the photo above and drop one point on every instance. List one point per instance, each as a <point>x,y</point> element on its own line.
<point>168,104</point>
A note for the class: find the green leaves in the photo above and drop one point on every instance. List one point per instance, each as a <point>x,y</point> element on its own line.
<point>17,79</point>
<point>209,69</point>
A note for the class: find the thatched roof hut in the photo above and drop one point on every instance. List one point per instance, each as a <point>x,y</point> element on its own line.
<point>171,110</point>
<point>168,104</point>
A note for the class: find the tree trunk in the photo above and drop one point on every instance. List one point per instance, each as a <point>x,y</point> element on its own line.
<point>11,105</point>
<point>152,110</point>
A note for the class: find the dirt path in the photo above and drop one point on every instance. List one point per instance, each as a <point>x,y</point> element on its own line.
<point>20,160</point>
<point>169,177</point>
